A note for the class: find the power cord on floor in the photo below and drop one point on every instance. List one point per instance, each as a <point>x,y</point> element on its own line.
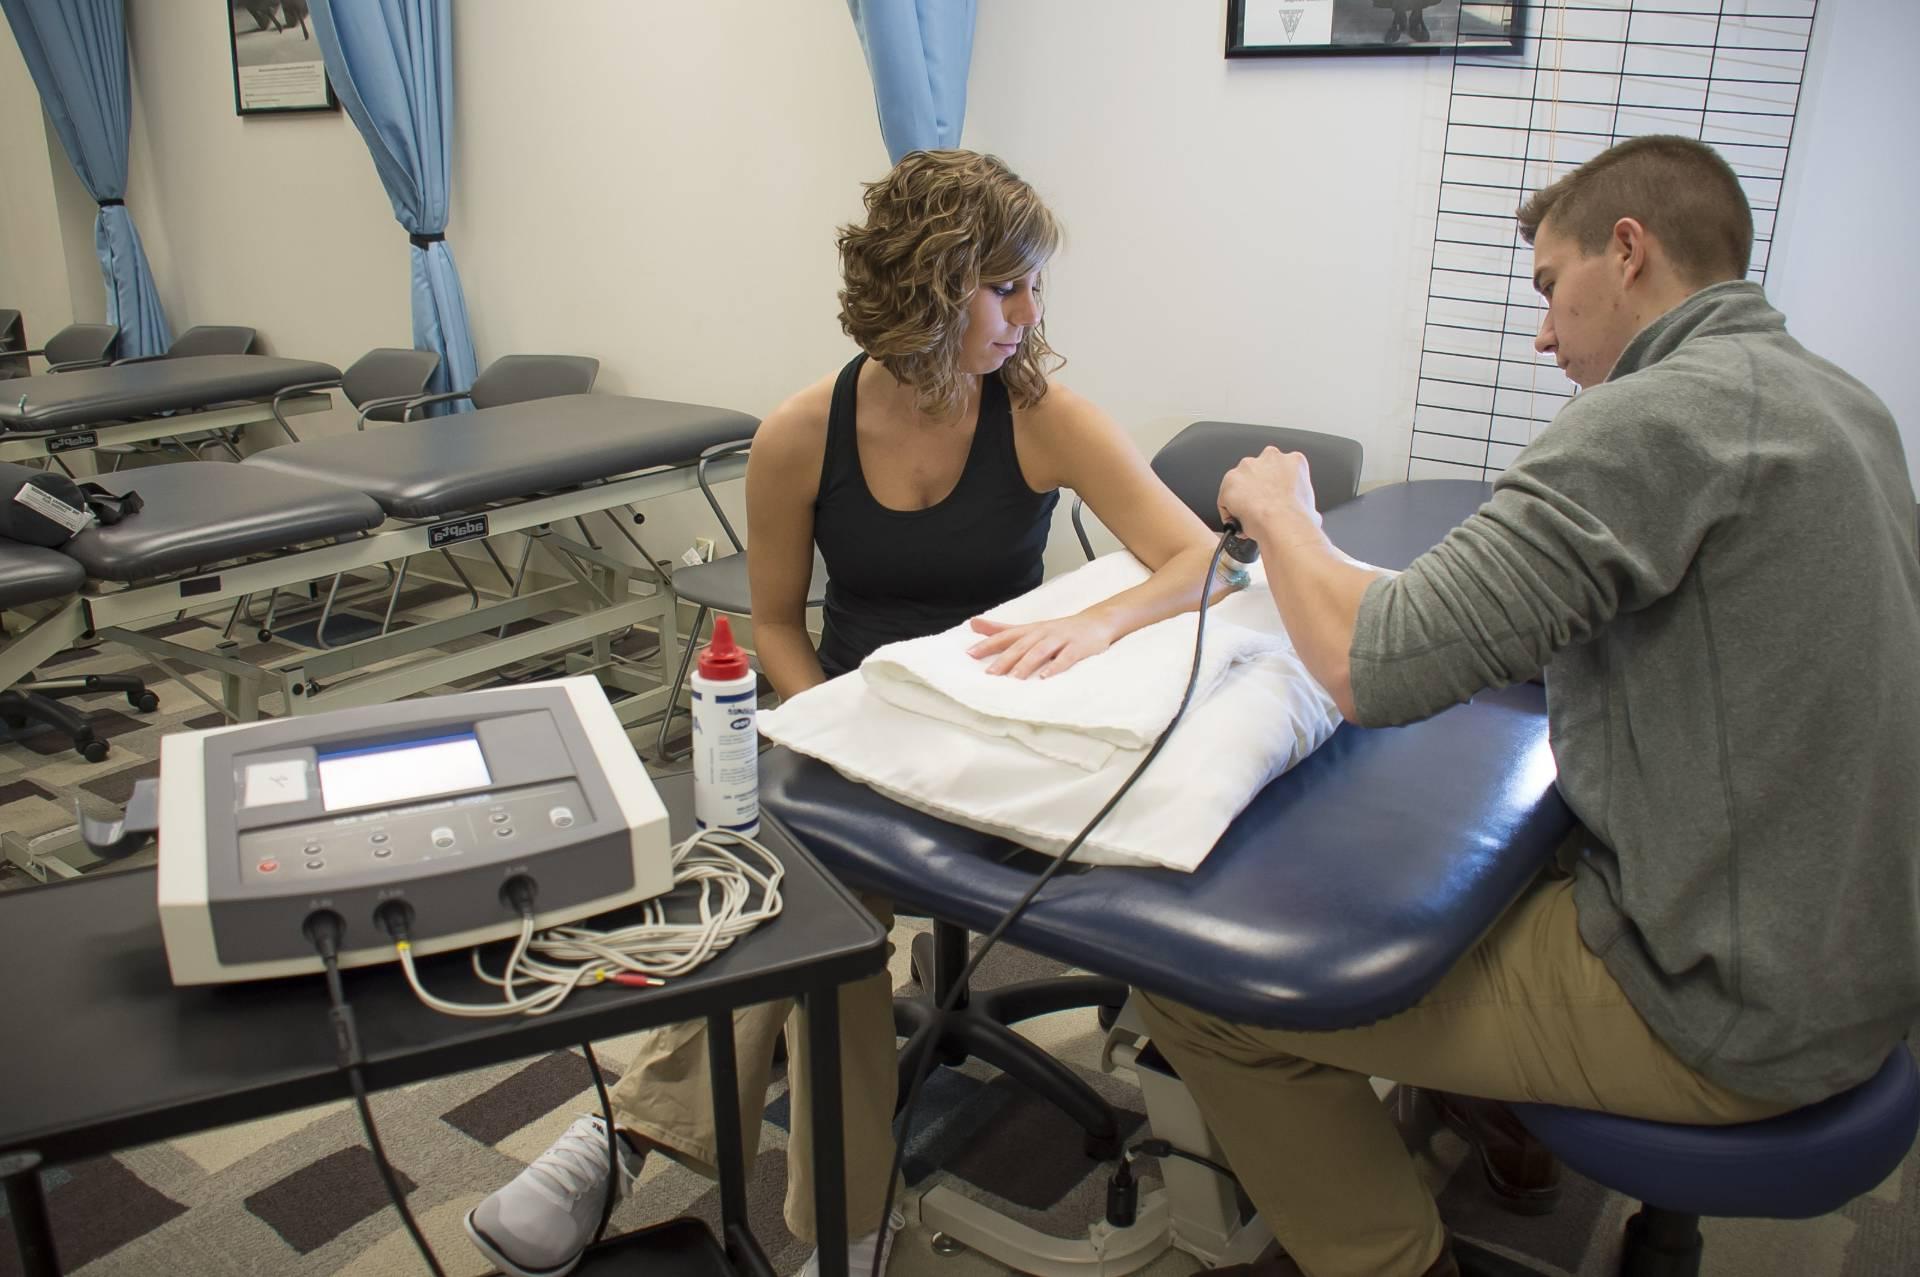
<point>1229,540</point>
<point>1163,1149</point>
<point>613,1149</point>
<point>324,929</point>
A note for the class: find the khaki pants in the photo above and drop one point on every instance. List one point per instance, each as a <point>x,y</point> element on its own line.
<point>666,1094</point>
<point>1528,1014</point>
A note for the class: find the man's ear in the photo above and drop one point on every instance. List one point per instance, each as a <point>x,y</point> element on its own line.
<point>1630,248</point>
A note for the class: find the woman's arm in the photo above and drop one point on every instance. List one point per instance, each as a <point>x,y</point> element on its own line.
<point>783,479</point>
<point>1067,441</point>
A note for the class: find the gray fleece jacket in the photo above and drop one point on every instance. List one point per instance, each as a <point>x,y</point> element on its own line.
<point>1712,558</point>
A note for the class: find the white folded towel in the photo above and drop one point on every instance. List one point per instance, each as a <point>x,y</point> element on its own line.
<point>1263,715</point>
<point>1120,699</point>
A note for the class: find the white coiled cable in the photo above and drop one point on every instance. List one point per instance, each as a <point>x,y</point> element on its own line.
<point>561,959</point>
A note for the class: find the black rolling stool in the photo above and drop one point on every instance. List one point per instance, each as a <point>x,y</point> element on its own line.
<point>34,574</point>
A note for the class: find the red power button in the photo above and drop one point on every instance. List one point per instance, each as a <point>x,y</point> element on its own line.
<point>268,866</point>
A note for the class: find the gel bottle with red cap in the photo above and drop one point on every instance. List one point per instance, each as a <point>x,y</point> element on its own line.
<point>726,744</point>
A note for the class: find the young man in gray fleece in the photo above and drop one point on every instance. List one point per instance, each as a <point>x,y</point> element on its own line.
<point>1710,553</point>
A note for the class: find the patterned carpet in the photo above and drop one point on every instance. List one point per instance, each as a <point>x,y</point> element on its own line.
<point>297,1196</point>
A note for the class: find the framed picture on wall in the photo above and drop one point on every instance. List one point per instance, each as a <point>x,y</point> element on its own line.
<point>1302,28</point>
<point>276,59</point>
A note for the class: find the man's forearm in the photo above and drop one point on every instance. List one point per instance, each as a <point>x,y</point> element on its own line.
<point>1318,590</point>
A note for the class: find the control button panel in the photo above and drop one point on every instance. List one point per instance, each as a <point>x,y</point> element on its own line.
<point>498,822</point>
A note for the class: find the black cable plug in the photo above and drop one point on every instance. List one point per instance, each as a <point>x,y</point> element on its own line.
<point>324,930</point>
<point>517,893</point>
<point>1123,1194</point>
<point>396,919</point>
<point>1241,548</point>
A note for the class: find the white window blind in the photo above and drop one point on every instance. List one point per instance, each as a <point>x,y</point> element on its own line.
<point>1594,72</point>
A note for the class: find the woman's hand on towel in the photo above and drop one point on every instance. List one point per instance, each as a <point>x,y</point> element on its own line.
<point>1041,648</point>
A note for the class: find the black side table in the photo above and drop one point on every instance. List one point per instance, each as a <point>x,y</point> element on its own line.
<point>116,1056</point>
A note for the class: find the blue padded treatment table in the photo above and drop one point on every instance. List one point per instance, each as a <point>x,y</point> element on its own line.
<point>200,513</point>
<point>53,402</point>
<point>33,573</point>
<point>448,465</point>
<point>1342,893</point>
<point>1391,527</point>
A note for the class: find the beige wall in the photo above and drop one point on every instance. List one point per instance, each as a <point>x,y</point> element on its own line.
<point>1846,266</point>
<point>1246,241</point>
<point>33,272</point>
<point>275,221</point>
<point>657,184</point>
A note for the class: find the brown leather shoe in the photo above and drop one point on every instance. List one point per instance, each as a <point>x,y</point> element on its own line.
<point>1520,1170</point>
<point>1275,1262</point>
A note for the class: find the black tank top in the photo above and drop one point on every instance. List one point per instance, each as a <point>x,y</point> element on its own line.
<point>902,574</point>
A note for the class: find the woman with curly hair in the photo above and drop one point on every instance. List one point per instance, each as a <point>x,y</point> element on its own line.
<point>926,471</point>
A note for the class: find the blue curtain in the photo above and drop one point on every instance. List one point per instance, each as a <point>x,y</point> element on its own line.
<point>917,52</point>
<point>391,64</point>
<point>77,52</point>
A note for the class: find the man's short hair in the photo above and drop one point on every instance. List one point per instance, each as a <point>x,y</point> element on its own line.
<point>1679,189</point>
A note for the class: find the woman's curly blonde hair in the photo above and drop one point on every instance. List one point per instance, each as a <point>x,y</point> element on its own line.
<point>939,226</point>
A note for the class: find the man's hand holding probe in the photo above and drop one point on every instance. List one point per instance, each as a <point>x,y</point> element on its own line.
<point>1316,588</point>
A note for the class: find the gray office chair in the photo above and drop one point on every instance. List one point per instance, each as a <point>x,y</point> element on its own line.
<point>213,339</point>
<point>380,384</point>
<point>508,379</point>
<point>208,339</point>
<point>204,339</point>
<point>1194,461</point>
<point>13,341</point>
<point>719,586</point>
<point>518,378</point>
<point>77,346</point>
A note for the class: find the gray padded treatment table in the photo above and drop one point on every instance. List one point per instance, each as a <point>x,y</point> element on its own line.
<point>31,573</point>
<point>64,401</point>
<point>199,513</point>
<point>448,465</point>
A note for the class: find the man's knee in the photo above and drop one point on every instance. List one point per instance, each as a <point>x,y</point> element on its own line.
<point>1181,1028</point>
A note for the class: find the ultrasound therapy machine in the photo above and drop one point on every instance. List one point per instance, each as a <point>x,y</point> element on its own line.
<point>438,804</point>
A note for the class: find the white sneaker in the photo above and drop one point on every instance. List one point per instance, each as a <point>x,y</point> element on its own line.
<point>538,1225</point>
<point>860,1251</point>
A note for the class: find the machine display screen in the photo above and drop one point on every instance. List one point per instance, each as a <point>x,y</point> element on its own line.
<point>402,771</point>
